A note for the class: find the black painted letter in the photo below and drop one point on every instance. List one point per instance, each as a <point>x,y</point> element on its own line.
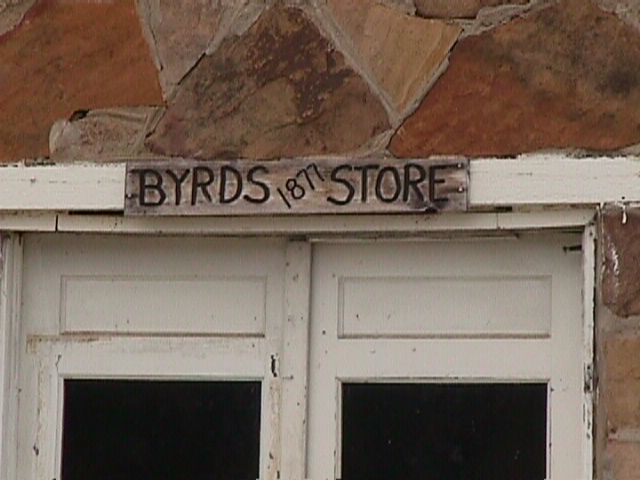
<point>156,187</point>
<point>413,183</point>
<point>365,180</point>
<point>351,191</point>
<point>224,171</point>
<point>433,181</point>
<point>380,180</point>
<point>202,185</point>
<point>266,193</point>
<point>178,180</point>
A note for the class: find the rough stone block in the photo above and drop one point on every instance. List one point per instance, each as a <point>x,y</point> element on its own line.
<point>100,134</point>
<point>624,460</point>
<point>401,51</point>
<point>280,89</point>
<point>621,252</point>
<point>67,56</point>
<point>564,76</point>
<point>12,12</point>
<point>458,8</point>
<point>180,33</point>
<point>622,399</point>
<point>628,10</point>
<point>622,357</point>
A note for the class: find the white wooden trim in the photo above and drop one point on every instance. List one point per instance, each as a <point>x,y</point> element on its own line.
<point>11,281</point>
<point>63,187</point>
<point>325,224</point>
<point>28,221</point>
<point>588,318</point>
<point>310,225</point>
<point>553,179</point>
<point>538,179</point>
<point>295,354</point>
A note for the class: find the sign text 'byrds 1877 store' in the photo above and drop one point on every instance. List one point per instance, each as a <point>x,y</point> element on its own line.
<point>318,186</point>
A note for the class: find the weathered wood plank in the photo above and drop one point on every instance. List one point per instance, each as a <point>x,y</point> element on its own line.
<point>218,187</point>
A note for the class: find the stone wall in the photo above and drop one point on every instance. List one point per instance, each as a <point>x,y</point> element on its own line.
<point>98,80</point>
<point>618,346</point>
<point>101,79</point>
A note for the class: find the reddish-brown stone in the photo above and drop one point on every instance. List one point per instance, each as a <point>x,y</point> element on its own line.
<point>564,77</point>
<point>621,251</point>
<point>458,8</point>
<point>67,56</point>
<point>280,89</point>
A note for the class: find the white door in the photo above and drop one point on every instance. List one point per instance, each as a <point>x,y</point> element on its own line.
<point>394,323</point>
<point>359,350</point>
<point>196,320</point>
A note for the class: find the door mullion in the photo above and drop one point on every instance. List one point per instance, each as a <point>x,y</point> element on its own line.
<point>294,361</point>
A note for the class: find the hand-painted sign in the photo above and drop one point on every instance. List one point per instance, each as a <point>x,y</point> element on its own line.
<point>294,186</point>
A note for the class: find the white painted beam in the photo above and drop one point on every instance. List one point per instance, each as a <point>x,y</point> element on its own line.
<point>553,180</point>
<point>62,187</point>
<point>532,180</point>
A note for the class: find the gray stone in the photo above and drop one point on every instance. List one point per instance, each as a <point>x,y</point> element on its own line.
<point>179,33</point>
<point>12,12</point>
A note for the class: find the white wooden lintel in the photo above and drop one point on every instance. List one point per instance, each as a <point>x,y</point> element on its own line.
<point>539,180</point>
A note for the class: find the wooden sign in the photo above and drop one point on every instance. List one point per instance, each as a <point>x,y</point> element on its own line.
<point>318,186</point>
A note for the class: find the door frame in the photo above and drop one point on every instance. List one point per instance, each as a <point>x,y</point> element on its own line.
<point>303,231</point>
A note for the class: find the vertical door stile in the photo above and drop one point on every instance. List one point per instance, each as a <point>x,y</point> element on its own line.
<point>588,298</point>
<point>294,362</point>
<point>10,285</point>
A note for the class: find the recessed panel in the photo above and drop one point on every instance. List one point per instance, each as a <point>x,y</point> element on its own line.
<point>450,306</point>
<point>146,304</point>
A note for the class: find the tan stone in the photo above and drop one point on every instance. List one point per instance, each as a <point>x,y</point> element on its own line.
<point>402,52</point>
<point>458,8</point>
<point>624,458</point>
<point>12,12</point>
<point>100,134</point>
<point>621,252</point>
<point>622,398</point>
<point>180,33</point>
<point>563,77</point>
<point>67,56</point>
<point>280,89</point>
<point>622,357</point>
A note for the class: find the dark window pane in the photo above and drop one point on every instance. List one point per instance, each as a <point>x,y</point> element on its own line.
<point>444,431</point>
<point>173,430</point>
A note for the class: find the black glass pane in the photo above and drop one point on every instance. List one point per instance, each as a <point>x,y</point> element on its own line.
<point>444,431</point>
<point>173,430</point>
